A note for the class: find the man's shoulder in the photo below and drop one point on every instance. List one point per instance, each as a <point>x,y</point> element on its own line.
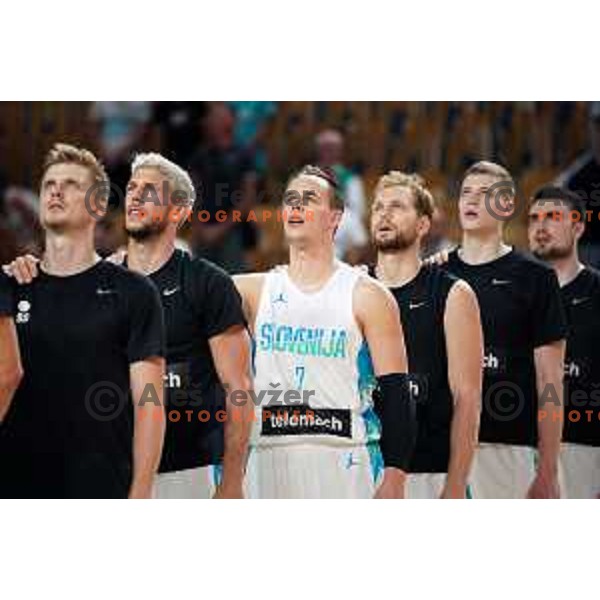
<point>202,268</point>
<point>590,278</point>
<point>438,273</point>
<point>530,265</point>
<point>250,284</point>
<point>592,274</point>
<point>370,293</point>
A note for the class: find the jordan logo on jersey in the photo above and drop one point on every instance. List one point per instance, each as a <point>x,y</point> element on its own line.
<point>317,341</point>
<point>280,299</point>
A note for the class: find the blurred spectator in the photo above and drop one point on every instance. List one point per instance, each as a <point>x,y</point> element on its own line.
<point>351,239</point>
<point>8,243</point>
<point>21,207</point>
<point>180,131</point>
<point>225,179</point>
<point>251,120</point>
<point>19,224</point>
<point>119,128</point>
<point>3,162</point>
<point>583,177</point>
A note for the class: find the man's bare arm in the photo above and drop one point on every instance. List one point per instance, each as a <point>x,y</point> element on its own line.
<point>379,318</point>
<point>11,371</point>
<point>231,355</point>
<point>464,349</point>
<point>549,371</point>
<point>147,390</point>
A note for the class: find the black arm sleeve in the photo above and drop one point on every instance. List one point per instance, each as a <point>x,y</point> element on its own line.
<point>398,415</point>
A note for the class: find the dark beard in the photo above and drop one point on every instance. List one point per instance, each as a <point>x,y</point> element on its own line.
<point>398,243</point>
<point>151,230</point>
<point>550,254</point>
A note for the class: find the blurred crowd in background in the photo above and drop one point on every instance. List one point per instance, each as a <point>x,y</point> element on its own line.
<point>241,154</point>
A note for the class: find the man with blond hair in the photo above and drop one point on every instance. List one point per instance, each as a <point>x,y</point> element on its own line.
<point>524,331</point>
<point>444,342</point>
<point>87,420</point>
<point>207,347</point>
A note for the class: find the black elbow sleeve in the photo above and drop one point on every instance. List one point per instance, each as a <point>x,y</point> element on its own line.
<point>397,411</point>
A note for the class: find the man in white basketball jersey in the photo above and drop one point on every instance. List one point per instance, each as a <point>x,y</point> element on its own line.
<point>325,335</point>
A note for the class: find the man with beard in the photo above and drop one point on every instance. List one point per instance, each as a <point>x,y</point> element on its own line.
<point>556,225</point>
<point>444,343</point>
<point>207,345</point>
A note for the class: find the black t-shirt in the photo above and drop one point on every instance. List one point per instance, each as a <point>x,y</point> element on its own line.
<point>69,430</point>
<point>200,301</point>
<point>6,296</point>
<point>520,306</point>
<point>422,304</point>
<point>581,301</point>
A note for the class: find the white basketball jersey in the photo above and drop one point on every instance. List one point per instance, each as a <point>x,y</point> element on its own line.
<point>312,365</point>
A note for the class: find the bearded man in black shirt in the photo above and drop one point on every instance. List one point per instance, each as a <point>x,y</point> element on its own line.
<point>444,342</point>
<point>556,225</point>
<point>87,420</point>
<point>208,360</point>
<point>209,408</point>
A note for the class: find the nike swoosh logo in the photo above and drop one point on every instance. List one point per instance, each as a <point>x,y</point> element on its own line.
<point>102,292</point>
<point>171,291</point>
<point>500,281</point>
<point>415,305</point>
<point>577,301</point>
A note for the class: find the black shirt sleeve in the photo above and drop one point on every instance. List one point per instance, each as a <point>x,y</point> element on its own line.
<point>6,295</point>
<point>146,335</point>
<point>221,304</point>
<point>549,321</point>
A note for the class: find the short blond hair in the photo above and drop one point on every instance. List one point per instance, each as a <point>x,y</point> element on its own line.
<point>423,199</point>
<point>492,169</point>
<point>68,154</point>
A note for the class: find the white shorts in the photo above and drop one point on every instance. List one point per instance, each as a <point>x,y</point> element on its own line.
<point>425,486</point>
<point>580,470</point>
<point>312,471</point>
<point>502,471</point>
<point>200,483</point>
